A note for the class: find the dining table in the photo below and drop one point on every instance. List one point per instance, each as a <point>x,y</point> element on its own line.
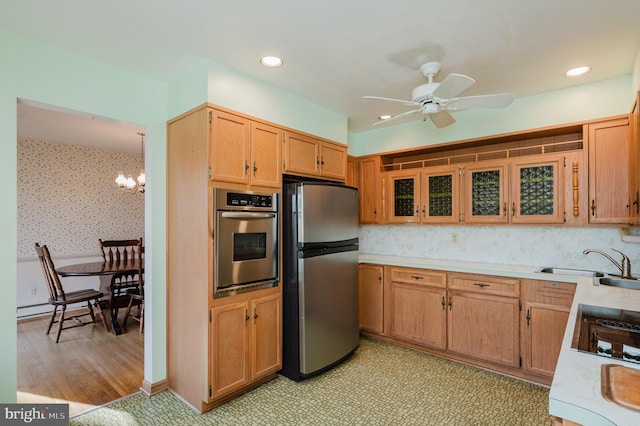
<point>104,270</point>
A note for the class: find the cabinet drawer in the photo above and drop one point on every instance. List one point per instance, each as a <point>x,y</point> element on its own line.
<point>550,292</point>
<point>419,276</point>
<point>487,284</point>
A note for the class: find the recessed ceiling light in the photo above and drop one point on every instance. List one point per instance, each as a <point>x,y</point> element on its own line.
<point>271,61</point>
<point>384,117</point>
<point>574,72</point>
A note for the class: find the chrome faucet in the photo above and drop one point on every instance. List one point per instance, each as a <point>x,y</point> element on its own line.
<point>624,265</point>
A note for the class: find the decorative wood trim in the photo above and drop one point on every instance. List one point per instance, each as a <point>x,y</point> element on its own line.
<point>576,189</point>
<point>151,389</point>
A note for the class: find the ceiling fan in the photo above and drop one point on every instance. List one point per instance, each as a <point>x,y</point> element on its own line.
<point>435,100</point>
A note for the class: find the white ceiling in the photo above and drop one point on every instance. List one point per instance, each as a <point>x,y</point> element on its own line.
<point>337,51</point>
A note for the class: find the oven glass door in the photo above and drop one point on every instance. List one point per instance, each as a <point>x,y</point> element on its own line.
<point>246,248</point>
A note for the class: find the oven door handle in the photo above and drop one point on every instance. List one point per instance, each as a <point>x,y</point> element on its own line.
<point>248,215</point>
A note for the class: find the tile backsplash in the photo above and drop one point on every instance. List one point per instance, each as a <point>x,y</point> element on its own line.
<point>68,199</point>
<point>510,245</point>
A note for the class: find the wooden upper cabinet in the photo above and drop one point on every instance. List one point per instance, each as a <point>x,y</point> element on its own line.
<point>352,171</point>
<point>369,190</point>
<point>608,145</point>
<point>300,154</point>
<point>333,160</point>
<point>404,196</point>
<point>265,155</point>
<point>634,160</point>
<point>314,157</point>
<point>485,192</point>
<point>538,193</point>
<point>243,151</point>
<point>229,147</point>
<point>440,195</point>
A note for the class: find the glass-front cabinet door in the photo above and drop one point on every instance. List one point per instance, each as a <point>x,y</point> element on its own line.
<point>537,191</point>
<point>485,196</point>
<point>440,195</point>
<point>404,196</point>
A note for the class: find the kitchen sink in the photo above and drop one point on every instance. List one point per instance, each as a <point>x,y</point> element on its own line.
<point>568,271</point>
<point>618,282</point>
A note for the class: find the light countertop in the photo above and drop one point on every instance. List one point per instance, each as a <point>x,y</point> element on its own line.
<point>575,392</point>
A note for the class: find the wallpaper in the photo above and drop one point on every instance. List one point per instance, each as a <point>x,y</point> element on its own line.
<point>537,246</point>
<point>68,199</point>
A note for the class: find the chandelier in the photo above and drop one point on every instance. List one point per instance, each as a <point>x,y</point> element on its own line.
<point>127,182</point>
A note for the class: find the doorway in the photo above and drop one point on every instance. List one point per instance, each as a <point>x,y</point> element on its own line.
<point>68,199</point>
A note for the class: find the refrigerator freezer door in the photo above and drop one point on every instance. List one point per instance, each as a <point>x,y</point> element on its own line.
<point>326,213</point>
<point>328,309</point>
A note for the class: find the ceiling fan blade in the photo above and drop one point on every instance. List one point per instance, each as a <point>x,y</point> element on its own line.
<point>402,101</point>
<point>453,85</point>
<point>442,119</point>
<point>499,100</point>
<point>397,116</point>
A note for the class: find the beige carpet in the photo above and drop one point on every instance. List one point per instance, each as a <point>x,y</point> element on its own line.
<point>380,385</point>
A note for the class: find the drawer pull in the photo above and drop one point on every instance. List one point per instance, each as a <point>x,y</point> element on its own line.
<point>481,285</point>
<point>417,277</point>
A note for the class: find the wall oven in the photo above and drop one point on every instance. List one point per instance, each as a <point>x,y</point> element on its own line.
<point>245,241</point>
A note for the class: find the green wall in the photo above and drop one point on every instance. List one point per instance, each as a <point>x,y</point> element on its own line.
<point>579,103</point>
<point>40,73</point>
<point>47,75</point>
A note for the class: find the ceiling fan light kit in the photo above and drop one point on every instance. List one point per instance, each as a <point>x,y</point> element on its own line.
<point>435,100</point>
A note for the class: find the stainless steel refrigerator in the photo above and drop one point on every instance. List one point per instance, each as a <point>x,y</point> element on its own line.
<point>320,277</point>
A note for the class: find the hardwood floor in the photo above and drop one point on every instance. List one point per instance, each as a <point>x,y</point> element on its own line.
<point>89,367</point>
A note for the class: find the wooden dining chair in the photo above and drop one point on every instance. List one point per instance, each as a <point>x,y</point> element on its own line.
<point>59,298</point>
<point>136,297</point>
<point>126,283</point>
<point>120,250</point>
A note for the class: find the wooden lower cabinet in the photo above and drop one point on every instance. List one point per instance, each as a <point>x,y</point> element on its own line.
<point>544,320</point>
<point>371,297</point>
<point>484,327</point>
<point>511,325</point>
<point>417,307</point>
<point>484,318</point>
<point>246,343</point>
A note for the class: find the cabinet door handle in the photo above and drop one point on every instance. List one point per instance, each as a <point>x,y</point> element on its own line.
<point>513,209</point>
<point>255,169</point>
<point>593,207</point>
<point>450,302</point>
<point>255,315</point>
<point>504,209</point>
<point>528,317</point>
<point>246,167</point>
<point>246,316</point>
<point>417,277</point>
<point>481,285</point>
<point>443,304</point>
<point>424,211</point>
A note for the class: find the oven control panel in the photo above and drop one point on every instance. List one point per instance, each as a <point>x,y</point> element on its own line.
<point>233,199</point>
